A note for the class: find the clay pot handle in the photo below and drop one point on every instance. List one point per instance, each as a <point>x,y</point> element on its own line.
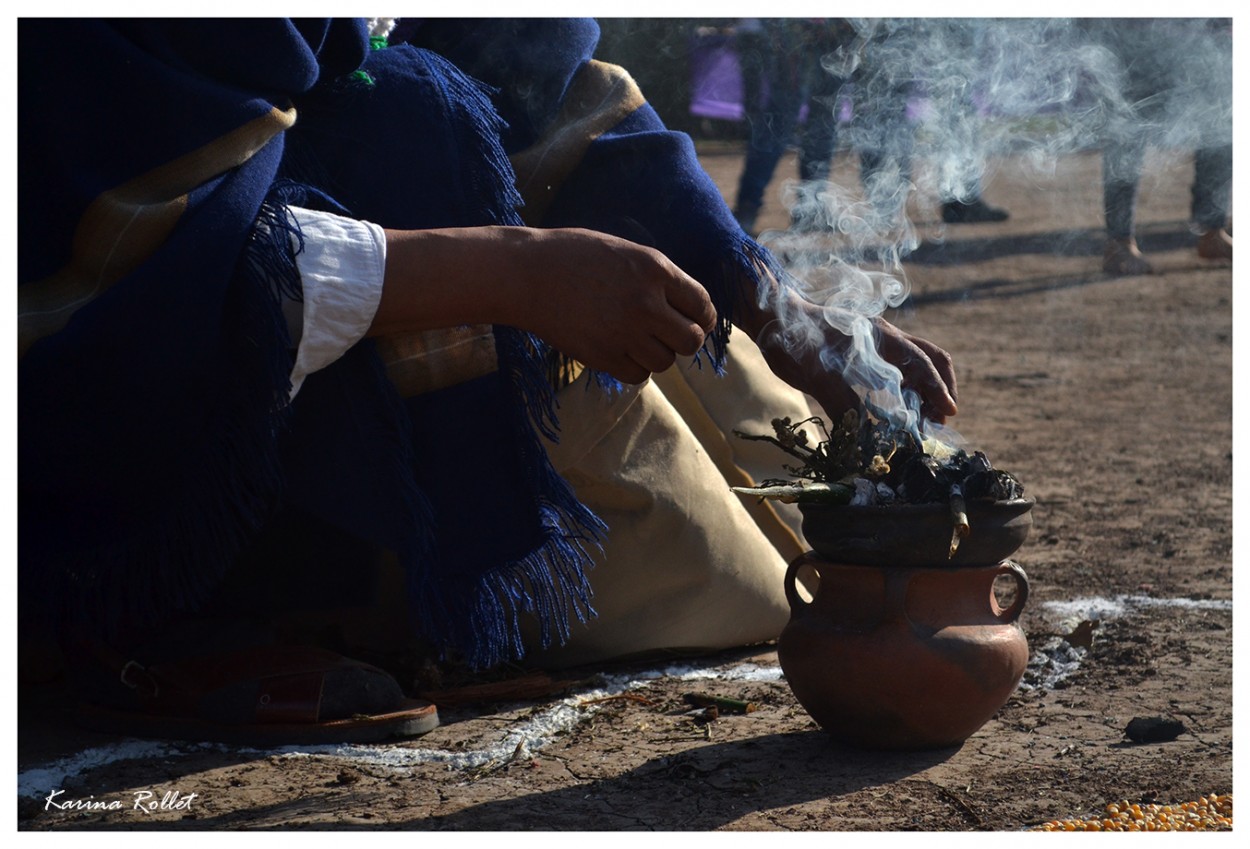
<point>792,593</point>
<point>1008,567</point>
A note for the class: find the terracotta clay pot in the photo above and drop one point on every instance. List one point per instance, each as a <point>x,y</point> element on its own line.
<point>902,658</point>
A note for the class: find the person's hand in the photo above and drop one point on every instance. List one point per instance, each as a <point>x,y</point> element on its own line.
<point>613,305</point>
<point>926,368</point>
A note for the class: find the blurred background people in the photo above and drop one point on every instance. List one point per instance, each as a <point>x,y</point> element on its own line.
<point>1173,88</point>
<point>788,64</point>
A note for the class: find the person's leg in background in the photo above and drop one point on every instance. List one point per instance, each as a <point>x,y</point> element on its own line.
<point>885,163</point>
<point>1213,179</point>
<point>1121,175</point>
<point>968,207</point>
<point>819,139</point>
<point>749,45</point>
<point>771,123</point>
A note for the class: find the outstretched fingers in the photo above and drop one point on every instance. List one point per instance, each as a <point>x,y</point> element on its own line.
<point>926,368</point>
<point>944,366</point>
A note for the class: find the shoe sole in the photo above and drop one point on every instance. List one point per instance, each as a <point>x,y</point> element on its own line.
<point>413,720</point>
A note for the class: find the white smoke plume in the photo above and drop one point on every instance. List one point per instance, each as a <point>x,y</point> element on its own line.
<point>938,99</point>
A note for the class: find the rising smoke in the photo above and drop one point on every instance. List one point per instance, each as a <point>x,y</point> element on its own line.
<point>932,101</point>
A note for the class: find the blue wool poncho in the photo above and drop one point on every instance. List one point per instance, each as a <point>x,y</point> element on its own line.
<point>156,438</point>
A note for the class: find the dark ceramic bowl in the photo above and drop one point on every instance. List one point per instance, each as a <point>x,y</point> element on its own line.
<point>912,535</point>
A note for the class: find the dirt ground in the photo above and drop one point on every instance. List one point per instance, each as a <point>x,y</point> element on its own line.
<point>1111,399</point>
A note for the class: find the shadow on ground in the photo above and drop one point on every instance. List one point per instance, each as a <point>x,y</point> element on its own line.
<point>701,789</point>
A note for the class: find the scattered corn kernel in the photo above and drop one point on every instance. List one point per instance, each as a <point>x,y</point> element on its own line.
<point>1213,812</point>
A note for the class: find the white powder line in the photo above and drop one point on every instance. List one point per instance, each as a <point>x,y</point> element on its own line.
<point>41,780</point>
<point>1051,663</point>
<point>1099,607</point>
<point>526,738</point>
<point>1056,659</point>
<point>522,739</point>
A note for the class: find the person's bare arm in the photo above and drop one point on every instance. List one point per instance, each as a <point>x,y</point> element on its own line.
<point>615,306</point>
<point>611,304</point>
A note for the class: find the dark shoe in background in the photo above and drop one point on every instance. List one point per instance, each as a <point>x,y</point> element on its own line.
<point>1122,258</point>
<point>973,212</point>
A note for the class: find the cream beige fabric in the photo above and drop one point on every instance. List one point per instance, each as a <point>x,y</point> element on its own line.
<point>688,564</point>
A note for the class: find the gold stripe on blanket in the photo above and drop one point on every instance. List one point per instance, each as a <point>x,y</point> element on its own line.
<point>599,97</point>
<point>417,363</point>
<point>125,225</point>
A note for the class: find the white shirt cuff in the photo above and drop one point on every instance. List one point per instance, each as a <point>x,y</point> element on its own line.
<point>341,268</point>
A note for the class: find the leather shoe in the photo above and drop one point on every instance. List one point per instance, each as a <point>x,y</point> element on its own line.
<point>975,211</point>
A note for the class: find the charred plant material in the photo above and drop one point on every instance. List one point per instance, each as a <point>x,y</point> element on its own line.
<point>920,480</point>
<point>829,460</point>
<point>993,485</point>
<point>870,462</point>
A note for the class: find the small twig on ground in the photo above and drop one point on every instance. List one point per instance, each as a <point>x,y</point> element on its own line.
<point>633,697</point>
<point>960,803</point>
<point>721,703</point>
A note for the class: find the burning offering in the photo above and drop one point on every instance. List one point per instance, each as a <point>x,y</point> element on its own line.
<point>900,643</point>
<point>874,493</point>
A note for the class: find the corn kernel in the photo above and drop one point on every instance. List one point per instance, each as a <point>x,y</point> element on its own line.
<point>1213,812</point>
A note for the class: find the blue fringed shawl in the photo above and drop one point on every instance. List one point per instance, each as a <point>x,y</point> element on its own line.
<point>149,411</point>
<point>154,437</point>
<point>417,146</point>
<point>637,179</point>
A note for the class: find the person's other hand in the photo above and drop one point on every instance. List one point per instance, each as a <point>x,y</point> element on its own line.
<point>926,368</point>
